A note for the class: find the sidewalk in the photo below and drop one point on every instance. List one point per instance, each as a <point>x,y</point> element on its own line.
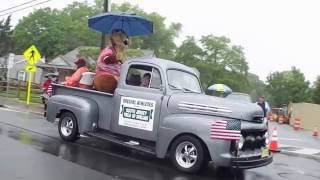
<point>300,143</point>
<point>15,104</point>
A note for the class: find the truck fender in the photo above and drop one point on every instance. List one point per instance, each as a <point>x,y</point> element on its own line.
<point>85,110</point>
<point>176,125</point>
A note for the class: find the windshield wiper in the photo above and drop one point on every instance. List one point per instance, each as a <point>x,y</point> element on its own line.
<point>182,89</point>
<point>175,87</point>
<point>189,90</point>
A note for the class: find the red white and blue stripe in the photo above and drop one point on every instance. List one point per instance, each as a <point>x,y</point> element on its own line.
<point>226,130</point>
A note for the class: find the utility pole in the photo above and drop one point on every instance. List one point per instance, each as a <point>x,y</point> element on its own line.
<point>103,36</point>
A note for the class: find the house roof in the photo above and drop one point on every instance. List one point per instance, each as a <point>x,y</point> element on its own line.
<point>69,58</point>
<point>66,61</point>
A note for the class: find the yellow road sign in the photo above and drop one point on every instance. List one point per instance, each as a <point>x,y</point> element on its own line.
<point>32,54</point>
<point>31,68</point>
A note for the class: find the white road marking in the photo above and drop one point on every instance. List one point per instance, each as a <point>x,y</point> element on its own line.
<point>284,145</point>
<point>300,150</point>
<point>290,139</point>
<point>307,151</point>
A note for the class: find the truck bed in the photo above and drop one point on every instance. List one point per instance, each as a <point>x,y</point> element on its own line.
<point>105,101</point>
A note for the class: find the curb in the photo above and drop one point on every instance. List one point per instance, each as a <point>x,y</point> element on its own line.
<point>27,111</point>
<point>310,156</point>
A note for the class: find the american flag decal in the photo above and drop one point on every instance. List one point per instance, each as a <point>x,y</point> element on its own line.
<point>226,130</point>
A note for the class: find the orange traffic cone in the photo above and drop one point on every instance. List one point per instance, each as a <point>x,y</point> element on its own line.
<point>297,124</point>
<point>274,141</point>
<point>315,132</point>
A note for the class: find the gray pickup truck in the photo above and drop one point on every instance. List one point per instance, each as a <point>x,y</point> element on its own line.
<point>170,116</point>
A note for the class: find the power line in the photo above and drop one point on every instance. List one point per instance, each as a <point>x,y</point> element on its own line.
<point>24,8</point>
<point>13,7</point>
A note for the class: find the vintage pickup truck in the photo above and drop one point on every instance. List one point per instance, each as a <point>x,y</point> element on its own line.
<point>169,117</point>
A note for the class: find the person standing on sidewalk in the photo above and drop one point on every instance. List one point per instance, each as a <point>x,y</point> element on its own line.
<point>45,87</point>
<point>48,92</point>
<point>264,105</point>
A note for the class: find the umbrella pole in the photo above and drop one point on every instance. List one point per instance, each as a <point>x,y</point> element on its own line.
<point>103,36</point>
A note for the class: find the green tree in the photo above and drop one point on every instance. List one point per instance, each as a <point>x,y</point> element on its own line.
<point>189,52</point>
<point>46,29</point>
<point>6,43</point>
<point>288,86</point>
<point>257,87</point>
<point>220,51</point>
<point>57,31</point>
<point>162,40</point>
<point>79,34</point>
<point>316,91</point>
<point>217,60</point>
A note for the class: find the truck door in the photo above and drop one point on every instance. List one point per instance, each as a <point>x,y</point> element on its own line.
<point>138,100</point>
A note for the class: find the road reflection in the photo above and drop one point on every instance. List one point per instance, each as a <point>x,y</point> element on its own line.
<point>115,160</point>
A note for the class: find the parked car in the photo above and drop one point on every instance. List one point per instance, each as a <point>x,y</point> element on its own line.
<point>170,117</point>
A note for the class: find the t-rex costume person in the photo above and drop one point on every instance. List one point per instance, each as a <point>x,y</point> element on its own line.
<point>109,62</point>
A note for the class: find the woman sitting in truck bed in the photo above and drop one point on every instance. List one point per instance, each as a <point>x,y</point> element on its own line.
<point>73,80</point>
<point>109,62</point>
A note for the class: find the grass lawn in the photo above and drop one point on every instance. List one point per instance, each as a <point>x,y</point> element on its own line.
<point>35,97</point>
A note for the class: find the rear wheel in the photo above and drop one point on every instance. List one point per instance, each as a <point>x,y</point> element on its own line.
<point>188,154</point>
<point>68,127</point>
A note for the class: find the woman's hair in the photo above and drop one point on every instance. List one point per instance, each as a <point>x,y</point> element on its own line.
<point>120,41</point>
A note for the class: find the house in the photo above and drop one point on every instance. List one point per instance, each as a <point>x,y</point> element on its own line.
<point>17,72</point>
<point>64,64</point>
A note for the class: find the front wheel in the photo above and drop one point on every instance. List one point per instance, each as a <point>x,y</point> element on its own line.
<point>188,154</point>
<point>68,127</point>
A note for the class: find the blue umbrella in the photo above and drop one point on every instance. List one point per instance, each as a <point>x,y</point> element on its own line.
<point>131,24</point>
<point>220,88</point>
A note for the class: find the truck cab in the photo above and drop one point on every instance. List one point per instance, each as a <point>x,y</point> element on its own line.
<point>159,107</point>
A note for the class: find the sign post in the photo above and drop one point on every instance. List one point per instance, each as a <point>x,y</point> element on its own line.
<point>32,55</point>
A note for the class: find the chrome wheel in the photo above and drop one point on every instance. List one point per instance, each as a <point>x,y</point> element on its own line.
<point>66,126</point>
<point>186,154</point>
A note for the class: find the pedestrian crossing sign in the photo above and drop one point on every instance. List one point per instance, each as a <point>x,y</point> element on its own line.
<point>32,55</point>
<point>31,68</point>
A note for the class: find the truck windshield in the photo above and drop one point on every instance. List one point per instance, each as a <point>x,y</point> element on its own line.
<point>183,81</point>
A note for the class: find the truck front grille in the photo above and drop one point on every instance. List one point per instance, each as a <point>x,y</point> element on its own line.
<point>253,140</point>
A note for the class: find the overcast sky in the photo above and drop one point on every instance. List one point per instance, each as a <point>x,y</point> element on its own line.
<point>276,34</point>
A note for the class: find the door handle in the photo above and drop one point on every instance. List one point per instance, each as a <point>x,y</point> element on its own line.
<point>121,94</point>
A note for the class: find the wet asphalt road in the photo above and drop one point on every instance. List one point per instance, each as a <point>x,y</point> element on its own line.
<point>30,148</point>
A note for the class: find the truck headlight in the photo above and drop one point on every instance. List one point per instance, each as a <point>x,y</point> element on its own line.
<point>266,136</point>
<point>240,142</point>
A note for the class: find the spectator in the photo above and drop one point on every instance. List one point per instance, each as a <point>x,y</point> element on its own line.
<point>45,87</point>
<point>48,93</point>
<point>264,105</point>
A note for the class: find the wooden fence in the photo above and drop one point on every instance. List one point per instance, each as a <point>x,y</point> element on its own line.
<point>18,89</point>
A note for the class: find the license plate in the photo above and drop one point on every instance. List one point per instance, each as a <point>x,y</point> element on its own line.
<point>264,152</point>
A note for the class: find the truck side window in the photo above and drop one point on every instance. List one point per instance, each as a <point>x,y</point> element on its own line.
<point>143,76</point>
